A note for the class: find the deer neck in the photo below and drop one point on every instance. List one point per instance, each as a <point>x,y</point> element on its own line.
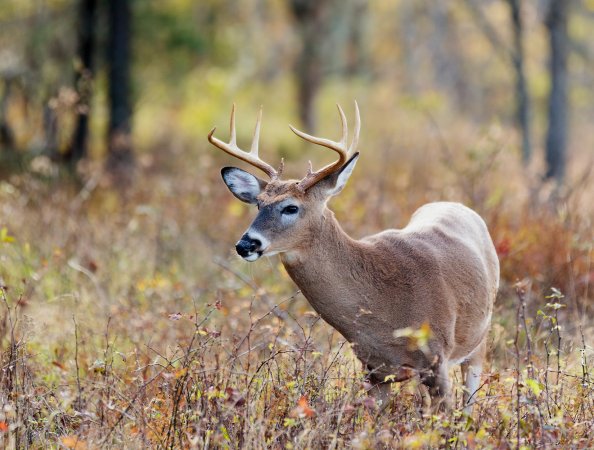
<point>325,240</point>
<point>320,268</point>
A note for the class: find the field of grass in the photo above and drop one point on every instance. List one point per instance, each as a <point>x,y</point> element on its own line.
<point>126,320</point>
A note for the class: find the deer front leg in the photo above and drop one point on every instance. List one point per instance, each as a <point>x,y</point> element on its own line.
<point>438,383</point>
<point>471,371</point>
<point>382,394</point>
<point>425,401</point>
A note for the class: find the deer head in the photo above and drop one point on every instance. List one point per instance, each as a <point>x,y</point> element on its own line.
<point>290,211</point>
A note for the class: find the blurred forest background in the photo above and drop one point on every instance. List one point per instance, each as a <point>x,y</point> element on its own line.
<point>128,320</point>
<point>92,79</point>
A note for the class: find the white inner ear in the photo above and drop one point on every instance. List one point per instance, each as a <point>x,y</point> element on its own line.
<point>243,184</point>
<point>343,177</point>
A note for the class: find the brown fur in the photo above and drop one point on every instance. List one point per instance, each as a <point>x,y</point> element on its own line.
<point>441,270</point>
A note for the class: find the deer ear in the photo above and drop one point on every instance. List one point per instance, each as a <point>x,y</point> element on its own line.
<point>335,182</point>
<point>243,185</point>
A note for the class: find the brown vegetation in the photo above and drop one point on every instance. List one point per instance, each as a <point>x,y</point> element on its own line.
<point>128,322</point>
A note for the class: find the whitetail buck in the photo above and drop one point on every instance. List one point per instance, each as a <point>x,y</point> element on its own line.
<point>441,271</point>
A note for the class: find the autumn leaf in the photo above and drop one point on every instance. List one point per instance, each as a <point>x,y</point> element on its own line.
<point>179,373</point>
<point>92,266</point>
<point>73,442</point>
<point>302,409</point>
<point>503,247</point>
<point>59,365</point>
<point>234,397</point>
<point>492,378</point>
<point>3,427</point>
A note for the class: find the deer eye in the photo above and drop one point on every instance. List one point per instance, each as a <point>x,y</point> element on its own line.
<point>291,209</point>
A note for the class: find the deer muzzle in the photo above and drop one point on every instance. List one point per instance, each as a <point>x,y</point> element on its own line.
<point>249,248</point>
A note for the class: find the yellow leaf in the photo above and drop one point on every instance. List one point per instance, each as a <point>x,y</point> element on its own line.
<point>534,386</point>
<point>181,372</point>
<point>425,330</point>
<point>4,236</point>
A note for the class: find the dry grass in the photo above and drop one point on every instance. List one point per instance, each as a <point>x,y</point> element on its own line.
<point>127,321</point>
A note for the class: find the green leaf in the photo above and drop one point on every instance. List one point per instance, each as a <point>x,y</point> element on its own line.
<point>289,422</point>
<point>534,386</point>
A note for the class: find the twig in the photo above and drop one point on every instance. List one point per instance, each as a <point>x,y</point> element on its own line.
<point>521,317</point>
<point>78,401</point>
<point>100,291</point>
<point>130,405</point>
<point>273,308</point>
<point>518,373</point>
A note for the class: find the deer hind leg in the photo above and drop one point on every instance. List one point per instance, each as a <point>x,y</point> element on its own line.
<point>471,371</point>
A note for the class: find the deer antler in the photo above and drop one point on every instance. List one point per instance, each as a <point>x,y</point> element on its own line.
<point>250,157</point>
<point>339,147</point>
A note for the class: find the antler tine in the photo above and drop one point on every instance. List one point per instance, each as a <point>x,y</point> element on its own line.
<point>339,147</point>
<point>319,141</point>
<point>233,140</point>
<point>256,139</point>
<point>355,141</point>
<point>250,157</point>
<point>345,127</point>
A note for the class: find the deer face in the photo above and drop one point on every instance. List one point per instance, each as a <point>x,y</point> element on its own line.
<point>289,210</point>
<point>287,215</point>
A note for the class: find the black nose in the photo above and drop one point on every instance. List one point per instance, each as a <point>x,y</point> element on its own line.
<point>247,245</point>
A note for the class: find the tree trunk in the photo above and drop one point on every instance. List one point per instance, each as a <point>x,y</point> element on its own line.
<point>120,159</point>
<point>447,60</point>
<point>556,142</point>
<point>411,53</point>
<point>357,55</point>
<point>83,80</point>
<point>50,129</point>
<point>310,17</point>
<point>522,99</point>
<point>6,133</point>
